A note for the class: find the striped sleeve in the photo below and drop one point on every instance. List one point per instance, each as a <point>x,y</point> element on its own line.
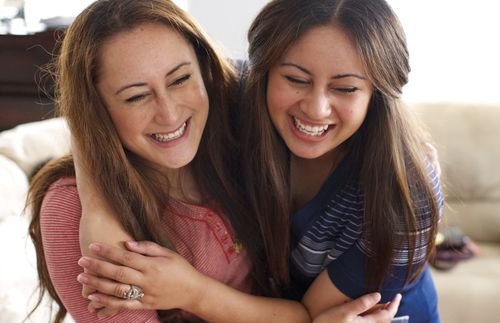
<point>59,220</point>
<point>347,272</point>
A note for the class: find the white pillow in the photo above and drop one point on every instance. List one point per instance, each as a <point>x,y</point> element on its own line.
<point>13,188</point>
<point>32,143</point>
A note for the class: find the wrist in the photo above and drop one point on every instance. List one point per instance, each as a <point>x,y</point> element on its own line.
<point>197,293</point>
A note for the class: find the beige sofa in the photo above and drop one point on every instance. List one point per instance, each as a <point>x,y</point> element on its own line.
<point>466,136</point>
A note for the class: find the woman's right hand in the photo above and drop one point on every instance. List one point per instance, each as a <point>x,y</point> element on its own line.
<point>167,279</point>
<point>364,309</point>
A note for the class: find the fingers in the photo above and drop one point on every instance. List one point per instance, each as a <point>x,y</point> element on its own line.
<point>148,248</point>
<point>104,286</point>
<point>116,303</point>
<point>87,290</point>
<point>111,271</point>
<point>118,255</point>
<point>393,306</point>
<point>387,314</point>
<point>362,304</point>
<point>107,312</point>
<point>94,306</point>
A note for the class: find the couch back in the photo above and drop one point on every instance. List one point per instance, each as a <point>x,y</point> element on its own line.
<point>467,137</point>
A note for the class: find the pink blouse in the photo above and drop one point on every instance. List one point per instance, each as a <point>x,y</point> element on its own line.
<point>198,233</point>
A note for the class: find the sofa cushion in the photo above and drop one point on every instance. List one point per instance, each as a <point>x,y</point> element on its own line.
<point>480,220</point>
<point>467,293</point>
<point>13,188</point>
<point>30,144</point>
<point>467,138</point>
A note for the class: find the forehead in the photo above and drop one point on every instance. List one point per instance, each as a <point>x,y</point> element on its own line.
<point>325,45</point>
<point>143,48</point>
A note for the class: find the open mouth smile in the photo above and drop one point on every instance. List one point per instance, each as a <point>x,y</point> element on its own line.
<point>314,131</point>
<point>169,136</point>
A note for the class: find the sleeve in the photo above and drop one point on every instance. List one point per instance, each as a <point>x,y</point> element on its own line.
<point>59,220</point>
<point>347,272</point>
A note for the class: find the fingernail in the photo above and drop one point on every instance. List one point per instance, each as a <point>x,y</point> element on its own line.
<point>93,297</point>
<point>132,243</point>
<point>82,278</point>
<point>84,262</point>
<point>95,247</point>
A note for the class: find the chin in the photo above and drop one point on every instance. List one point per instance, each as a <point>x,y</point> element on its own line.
<point>307,154</point>
<point>178,162</point>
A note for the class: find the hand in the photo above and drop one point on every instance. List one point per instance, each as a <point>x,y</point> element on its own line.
<point>361,310</point>
<point>167,279</point>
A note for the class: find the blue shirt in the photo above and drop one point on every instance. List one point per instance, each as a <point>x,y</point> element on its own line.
<point>327,235</point>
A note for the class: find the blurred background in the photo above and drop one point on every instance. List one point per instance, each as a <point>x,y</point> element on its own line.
<point>453,44</point>
<point>454,87</point>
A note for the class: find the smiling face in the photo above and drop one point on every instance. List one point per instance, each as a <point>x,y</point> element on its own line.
<point>318,93</point>
<point>151,84</point>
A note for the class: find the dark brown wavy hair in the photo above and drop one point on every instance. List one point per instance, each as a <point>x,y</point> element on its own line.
<point>388,146</point>
<point>134,188</point>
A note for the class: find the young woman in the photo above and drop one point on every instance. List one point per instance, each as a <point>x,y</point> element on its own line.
<point>136,80</point>
<point>323,91</point>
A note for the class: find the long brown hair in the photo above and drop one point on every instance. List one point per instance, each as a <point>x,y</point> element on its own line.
<point>388,146</point>
<point>135,189</point>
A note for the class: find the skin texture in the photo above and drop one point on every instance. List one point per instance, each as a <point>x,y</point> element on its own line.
<point>320,81</point>
<point>147,92</point>
<point>199,294</point>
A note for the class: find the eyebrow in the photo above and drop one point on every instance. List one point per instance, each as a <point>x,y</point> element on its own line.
<point>335,77</point>
<point>172,71</point>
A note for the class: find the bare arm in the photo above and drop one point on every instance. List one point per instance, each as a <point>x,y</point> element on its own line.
<point>98,223</point>
<point>168,281</point>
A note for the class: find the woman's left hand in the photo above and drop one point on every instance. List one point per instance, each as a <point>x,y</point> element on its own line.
<point>167,279</point>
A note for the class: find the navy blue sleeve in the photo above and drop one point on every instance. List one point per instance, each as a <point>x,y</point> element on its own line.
<point>347,274</point>
<point>419,300</point>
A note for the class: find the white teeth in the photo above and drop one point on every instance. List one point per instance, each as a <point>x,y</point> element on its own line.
<point>309,130</point>
<point>169,136</point>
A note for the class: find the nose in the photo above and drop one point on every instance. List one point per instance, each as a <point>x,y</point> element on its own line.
<point>317,105</point>
<point>167,111</point>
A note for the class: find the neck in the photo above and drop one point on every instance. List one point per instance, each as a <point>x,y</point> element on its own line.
<point>183,186</point>
<point>309,175</point>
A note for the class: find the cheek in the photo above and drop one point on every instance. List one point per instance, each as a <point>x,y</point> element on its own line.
<point>195,97</point>
<point>355,111</point>
<point>280,98</point>
<point>128,124</point>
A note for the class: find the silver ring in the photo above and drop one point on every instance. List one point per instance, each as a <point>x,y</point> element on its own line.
<point>134,292</point>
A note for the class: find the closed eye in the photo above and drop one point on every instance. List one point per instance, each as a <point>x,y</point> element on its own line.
<point>347,89</point>
<point>296,81</point>
<point>136,98</point>
<point>181,80</point>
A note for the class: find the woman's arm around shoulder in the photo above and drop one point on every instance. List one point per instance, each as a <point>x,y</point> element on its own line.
<point>59,222</point>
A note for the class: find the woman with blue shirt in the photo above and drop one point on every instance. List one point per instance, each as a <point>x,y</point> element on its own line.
<point>347,159</point>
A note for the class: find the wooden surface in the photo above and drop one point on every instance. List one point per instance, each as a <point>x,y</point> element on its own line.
<point>23,86</point>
